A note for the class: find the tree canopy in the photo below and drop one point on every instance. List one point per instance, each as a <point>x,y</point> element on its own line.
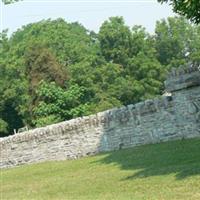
<point>9,1</point>
<point>187,8</point>
<point>51,71</point>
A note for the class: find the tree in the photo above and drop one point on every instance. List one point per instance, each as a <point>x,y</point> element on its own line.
<point>187,8</point>
<point>11,90</point>
<point>142,75</point>
<point>9,1</point>
<point>58,104</point>
<point>38,51</point>
<point>115,40</point>
<point>40,65</point>
<point>52,70</point>
<point>177,42</point>
<point>3,127</point>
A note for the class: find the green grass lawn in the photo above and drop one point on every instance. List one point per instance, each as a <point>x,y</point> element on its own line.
<point>152,172</point>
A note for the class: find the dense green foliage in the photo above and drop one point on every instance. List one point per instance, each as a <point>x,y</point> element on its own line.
<point>177,42</point>
<point>52,70</point>
<point>9,1</point>
<point>167,171</point>
<point>187,8</point>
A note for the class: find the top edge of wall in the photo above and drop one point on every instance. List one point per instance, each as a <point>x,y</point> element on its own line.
<point>99,119</point>
<point>183,78</point>
<point>185,69</point>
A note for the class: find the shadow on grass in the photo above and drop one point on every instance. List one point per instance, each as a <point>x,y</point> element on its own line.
<point>179,157</point>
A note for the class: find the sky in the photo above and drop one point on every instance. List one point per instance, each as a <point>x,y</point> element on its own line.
<point>90,13</point>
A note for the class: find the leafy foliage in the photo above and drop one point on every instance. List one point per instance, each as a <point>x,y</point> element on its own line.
<point>115,40</point>
<point>187,8</point>
<point>177,41</point>
<point>9,1</point>
<point>57,104</point>
<point>3,126</point>
<point>52,70</point>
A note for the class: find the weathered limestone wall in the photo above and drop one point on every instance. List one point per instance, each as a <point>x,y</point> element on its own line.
<point>163,119</point>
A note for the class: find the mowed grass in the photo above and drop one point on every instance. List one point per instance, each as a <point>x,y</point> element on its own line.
<point>152,172</point>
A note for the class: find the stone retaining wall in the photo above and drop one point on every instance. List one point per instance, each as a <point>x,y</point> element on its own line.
<point>153,121</point>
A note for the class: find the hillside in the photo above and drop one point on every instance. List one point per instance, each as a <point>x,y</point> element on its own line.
<point>161,171</point>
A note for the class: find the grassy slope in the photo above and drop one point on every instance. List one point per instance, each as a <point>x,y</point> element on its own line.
<point>154,172</point>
